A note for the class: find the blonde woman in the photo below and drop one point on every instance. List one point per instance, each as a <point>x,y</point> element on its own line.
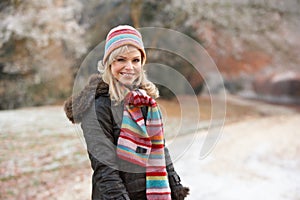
<point>122,125</point>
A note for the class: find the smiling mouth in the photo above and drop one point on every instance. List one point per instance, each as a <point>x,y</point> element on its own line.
<point>129,75</point>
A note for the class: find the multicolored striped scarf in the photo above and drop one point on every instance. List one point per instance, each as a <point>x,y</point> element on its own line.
<point>142,142</point>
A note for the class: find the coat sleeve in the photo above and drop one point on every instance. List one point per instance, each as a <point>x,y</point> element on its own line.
<point>98,130</point>
<point>178,192</point>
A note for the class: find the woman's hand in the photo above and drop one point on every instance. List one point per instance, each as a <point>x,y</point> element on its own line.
<point>180,192</point>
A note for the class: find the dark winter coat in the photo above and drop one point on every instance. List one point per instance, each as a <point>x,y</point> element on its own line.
<point>100,120</point>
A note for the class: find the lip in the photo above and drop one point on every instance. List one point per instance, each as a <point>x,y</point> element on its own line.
<point>126,74</point>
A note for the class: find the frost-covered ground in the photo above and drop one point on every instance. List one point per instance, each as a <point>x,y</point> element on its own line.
<point>254,159</point>
<point>257,157</point>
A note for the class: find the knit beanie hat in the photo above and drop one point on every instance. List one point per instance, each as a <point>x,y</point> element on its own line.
<point>120,36</point>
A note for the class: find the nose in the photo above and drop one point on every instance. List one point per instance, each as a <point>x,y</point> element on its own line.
<point>128,65</point>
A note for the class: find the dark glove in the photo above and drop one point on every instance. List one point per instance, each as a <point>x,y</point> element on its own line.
<point>179,192</point>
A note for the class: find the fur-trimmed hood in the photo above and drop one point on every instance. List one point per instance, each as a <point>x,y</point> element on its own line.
<point>76,105</point>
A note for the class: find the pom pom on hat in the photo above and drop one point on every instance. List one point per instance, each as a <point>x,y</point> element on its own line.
<point>120,36</point>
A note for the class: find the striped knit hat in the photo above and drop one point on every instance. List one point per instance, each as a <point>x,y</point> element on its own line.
<point>120,36</point>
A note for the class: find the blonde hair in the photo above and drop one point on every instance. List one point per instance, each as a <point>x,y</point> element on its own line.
<point>117,94</point>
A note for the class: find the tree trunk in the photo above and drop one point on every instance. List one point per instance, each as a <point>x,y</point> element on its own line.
<point>135,12</point>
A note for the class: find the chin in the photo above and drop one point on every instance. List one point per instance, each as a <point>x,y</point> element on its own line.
<point>127,82</point>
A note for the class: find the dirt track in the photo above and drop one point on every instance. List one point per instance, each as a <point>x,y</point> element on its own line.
<point>43,157</point>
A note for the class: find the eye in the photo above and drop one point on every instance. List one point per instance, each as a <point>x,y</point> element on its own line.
<point>136,60</point>
<point>120,59</point>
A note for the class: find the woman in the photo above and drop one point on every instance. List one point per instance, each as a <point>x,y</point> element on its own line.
<point>122,125</point>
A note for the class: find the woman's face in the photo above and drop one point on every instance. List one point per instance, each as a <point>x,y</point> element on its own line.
<point>127,66</point>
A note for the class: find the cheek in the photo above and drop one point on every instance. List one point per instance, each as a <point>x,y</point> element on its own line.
<point>138,68</point>
<point>114,70</point>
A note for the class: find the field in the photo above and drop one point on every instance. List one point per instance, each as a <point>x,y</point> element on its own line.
<point>43,155</point>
